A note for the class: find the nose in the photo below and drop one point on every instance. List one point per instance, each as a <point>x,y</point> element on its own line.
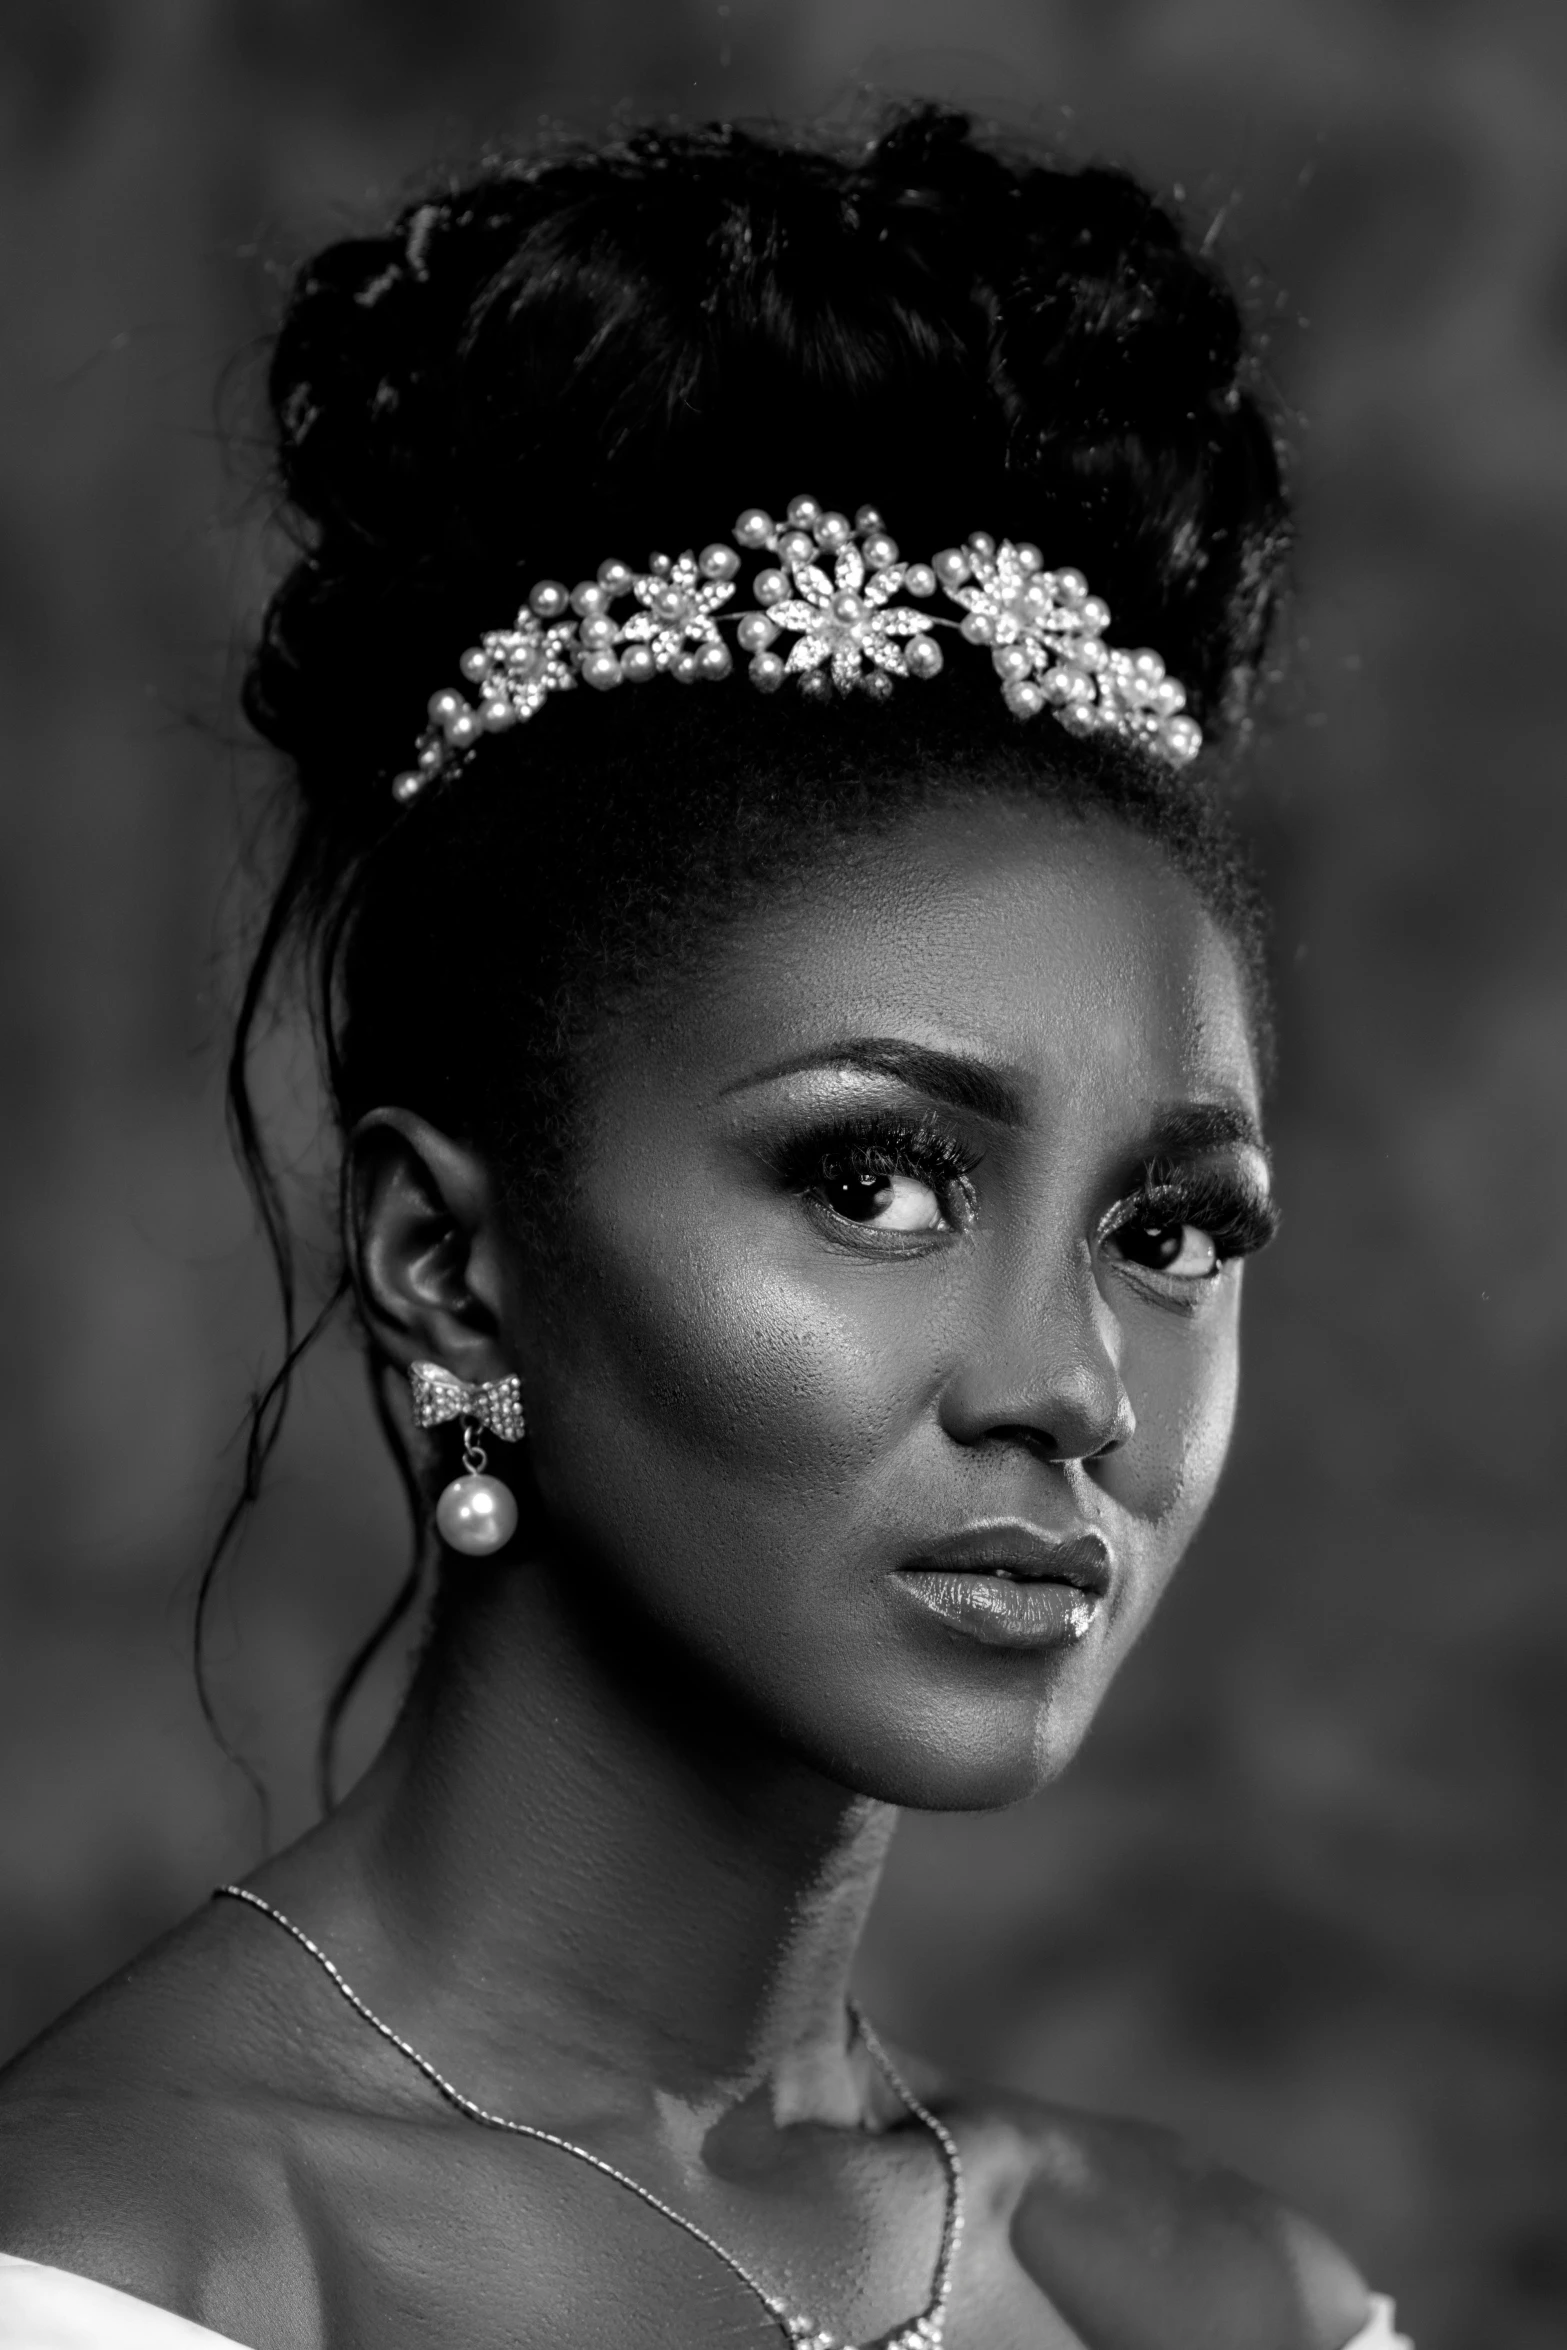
<point>1043,1371</point>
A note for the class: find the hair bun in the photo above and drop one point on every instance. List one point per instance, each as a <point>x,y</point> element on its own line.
<point>615,349</point>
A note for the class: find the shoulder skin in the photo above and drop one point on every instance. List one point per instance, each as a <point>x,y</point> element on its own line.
<point>134,2140</point>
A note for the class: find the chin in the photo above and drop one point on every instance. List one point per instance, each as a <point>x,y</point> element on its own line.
<point>966,1749</point>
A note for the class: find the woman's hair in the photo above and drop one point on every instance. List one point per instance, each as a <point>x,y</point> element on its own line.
<point>614,350</point>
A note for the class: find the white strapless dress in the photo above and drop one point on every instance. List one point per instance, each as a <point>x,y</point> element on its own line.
<point>48,2309</point>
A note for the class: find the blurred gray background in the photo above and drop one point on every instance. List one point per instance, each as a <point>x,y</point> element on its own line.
<point>1303,1897</point>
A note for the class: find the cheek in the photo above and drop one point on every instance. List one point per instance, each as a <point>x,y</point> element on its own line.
<point>1183,1380</point>
<point>737,1365</point>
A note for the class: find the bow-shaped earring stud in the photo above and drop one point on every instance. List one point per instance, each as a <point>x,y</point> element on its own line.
<point>496,1404</point>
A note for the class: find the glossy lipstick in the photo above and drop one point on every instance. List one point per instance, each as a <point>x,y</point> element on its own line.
<point>1011,1585</point>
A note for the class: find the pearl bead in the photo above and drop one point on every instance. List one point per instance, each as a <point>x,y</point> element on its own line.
<point>755,527</point>
<point>718,562</point>
<point>767,671</point>
<point>755,632</point>
<point>601,669</point>
<point>598,629</point>
<point>431,756</point>
<point>714,660</point>
<point>1028,556</point>
<point>797,546</point>
<point>923,656</point>
<point>463,730</point>
<point>667,603</point>
<point>1011,661</point>
<point>867,518</point>
<point>407,786</point>
<point>880,551</point>
<point>475,663</point>
<point>920,580</point>
<point>1070,586</point>
<point>615,578</point>
<point>804,513</point>
<point>834,530</point>
<point>876,683</point>
<point>1093,613</point>
<point>1147,667</point>
<point>981,543</point>
<point>476,1515</point>
<point>588,597</point>
<point>951,567</point>
<point>495,717</point>
<point>1078,718</point>
<point>1182,738</point>
<point>638,663</point>
<point>685,668</point>
<point>549,599</point>
<point>445,706</point>
<point>978,628</point>
<point>846,605</point>
<point>1023,698</point>
<point>771,587</point>
<point>816,685</point>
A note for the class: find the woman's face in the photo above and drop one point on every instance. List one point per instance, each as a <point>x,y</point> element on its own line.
<point>893,1361</point>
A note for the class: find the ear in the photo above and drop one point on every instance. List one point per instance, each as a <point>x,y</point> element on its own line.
<point>425,1247</point>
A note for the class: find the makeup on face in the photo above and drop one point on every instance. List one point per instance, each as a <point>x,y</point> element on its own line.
<point>881,1136</point>
<point>897,1169</point>
<point>908,1361</point>
<point>1009,1584</point>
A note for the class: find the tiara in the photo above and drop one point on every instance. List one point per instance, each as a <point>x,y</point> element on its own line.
<point>826,614</point>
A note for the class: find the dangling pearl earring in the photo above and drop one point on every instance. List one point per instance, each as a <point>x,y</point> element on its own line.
<point>476,1514</point>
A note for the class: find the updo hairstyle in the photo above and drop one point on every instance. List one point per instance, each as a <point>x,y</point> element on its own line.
<point>612,351</point>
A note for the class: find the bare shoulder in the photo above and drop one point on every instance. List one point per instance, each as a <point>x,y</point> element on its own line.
<point>150,2138</point>
<point>1142,2243</point>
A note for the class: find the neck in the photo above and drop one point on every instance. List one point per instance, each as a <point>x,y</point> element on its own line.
<point>601,1869</point>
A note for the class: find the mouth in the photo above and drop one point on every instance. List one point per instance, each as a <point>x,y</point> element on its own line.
<point>1011,1585</point>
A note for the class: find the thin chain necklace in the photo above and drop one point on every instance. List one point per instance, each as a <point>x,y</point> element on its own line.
<point>923,2332</point>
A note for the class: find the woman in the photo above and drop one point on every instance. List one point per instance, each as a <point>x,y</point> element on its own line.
<point>799,1147</point>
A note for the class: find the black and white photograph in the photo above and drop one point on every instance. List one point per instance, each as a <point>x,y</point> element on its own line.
<point>783,1073</point>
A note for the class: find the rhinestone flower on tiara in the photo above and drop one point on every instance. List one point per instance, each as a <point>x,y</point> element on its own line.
<point>828,614</point>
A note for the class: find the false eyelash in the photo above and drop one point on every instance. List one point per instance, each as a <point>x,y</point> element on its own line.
<point>1238,1218</point>
<point>872,1145</point>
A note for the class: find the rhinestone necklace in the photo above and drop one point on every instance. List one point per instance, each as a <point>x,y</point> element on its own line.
<point>923,2332</point>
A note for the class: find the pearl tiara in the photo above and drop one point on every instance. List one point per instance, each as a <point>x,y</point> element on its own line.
<point>840,627</point>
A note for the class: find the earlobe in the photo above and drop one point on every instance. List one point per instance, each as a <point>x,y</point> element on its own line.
<point>424,1246</point>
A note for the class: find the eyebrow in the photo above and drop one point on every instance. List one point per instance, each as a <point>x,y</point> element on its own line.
<point>965,1082</point>
<point>1187,1129</point>
<point>961,1080</point>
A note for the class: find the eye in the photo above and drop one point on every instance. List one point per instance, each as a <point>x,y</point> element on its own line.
<point>887,1202</point>
<point>1181,1252</point>
<point>899,1176</point>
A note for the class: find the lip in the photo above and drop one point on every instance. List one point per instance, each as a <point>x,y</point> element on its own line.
<point>1007,1584</point>
<point>1013,1549</point>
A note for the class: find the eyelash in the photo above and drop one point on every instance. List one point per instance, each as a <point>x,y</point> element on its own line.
<point>879,1146</point>
<point>1238,1219</point>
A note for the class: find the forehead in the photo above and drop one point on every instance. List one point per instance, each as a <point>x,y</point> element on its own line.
<point>1073,953</point>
